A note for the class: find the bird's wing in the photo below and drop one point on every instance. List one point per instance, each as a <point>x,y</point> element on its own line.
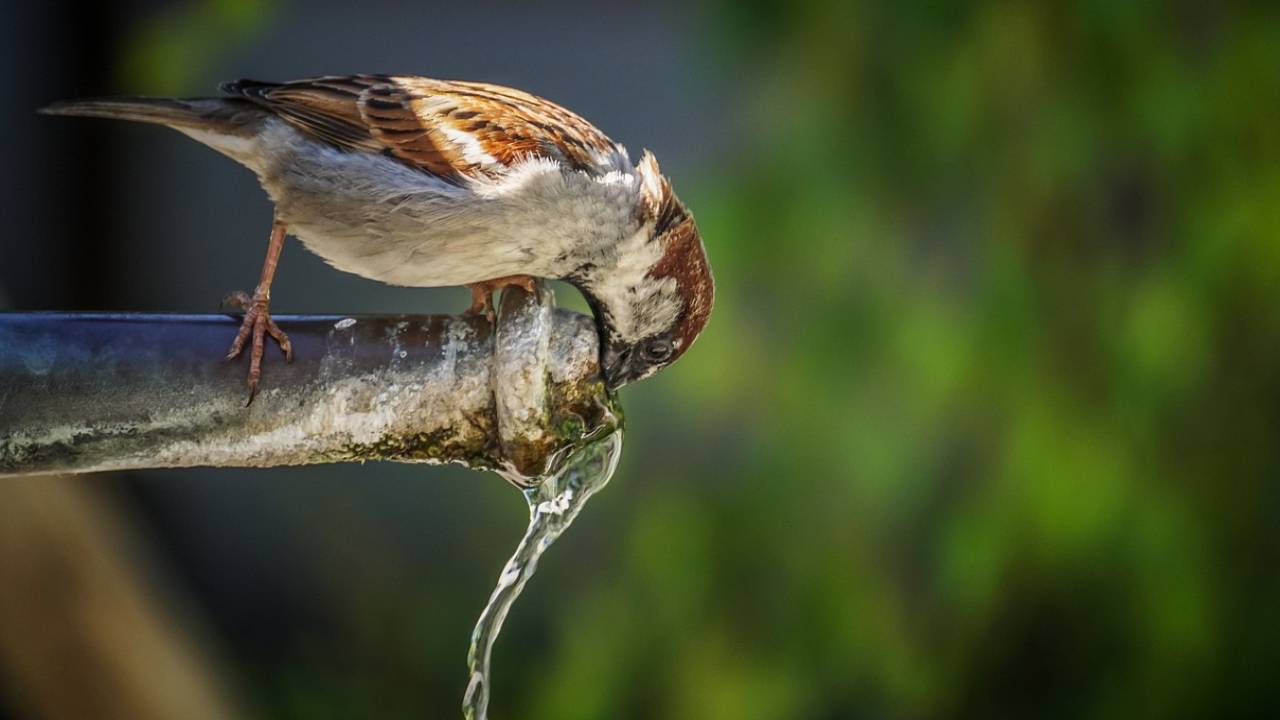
<point>453,130</point>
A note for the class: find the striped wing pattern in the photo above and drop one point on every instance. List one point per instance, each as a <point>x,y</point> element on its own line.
<point>453,130</point>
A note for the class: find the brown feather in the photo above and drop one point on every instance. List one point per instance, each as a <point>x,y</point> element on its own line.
<point>426,123</point>
<point>685,259</point>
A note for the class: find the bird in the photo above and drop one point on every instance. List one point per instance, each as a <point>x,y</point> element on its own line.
<point>419,182</point>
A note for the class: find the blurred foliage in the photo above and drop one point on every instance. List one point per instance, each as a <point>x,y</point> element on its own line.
<point>172,49</point>
<point>985,422</point>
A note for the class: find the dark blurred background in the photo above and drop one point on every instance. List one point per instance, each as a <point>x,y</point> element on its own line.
<point>984,424</point>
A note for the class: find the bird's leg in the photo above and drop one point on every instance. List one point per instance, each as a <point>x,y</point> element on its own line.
<point>482,292</point>
<point>257,321</point>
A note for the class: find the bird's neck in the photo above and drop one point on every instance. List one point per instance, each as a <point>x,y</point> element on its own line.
<point>605,293</point>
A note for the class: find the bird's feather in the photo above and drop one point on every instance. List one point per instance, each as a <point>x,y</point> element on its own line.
<point>453,130</point>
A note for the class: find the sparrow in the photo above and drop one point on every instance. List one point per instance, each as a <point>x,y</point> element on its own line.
<point>419,182</point>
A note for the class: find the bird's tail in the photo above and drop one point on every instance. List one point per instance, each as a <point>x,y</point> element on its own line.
<point>224,116</point>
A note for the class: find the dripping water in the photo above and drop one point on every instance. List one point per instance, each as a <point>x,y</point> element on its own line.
<point>553,505</point>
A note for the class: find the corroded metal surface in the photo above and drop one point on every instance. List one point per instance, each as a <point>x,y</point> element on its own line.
<point>86,393</point>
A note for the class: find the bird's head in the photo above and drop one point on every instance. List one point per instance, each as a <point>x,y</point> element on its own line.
<point>655,301</point>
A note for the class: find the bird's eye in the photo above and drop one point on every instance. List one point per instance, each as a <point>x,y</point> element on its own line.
<point>657,350</point>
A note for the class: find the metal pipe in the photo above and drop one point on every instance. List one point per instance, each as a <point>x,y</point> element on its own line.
<point>95,392</point>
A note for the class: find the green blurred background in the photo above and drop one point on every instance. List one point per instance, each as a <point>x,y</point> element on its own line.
<point>984,424</point>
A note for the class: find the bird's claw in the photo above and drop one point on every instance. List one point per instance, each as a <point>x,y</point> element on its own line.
<point>481,304</point>
<point>482,293</point>
<point>257,324</point>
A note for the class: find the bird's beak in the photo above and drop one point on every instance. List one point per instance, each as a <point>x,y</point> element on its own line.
<point>616,367</point>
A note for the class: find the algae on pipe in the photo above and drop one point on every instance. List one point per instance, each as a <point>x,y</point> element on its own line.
<point>95,392</point>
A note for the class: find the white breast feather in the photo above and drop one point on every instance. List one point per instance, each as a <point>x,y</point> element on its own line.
<point>374,216</point>
<point>639,306</point>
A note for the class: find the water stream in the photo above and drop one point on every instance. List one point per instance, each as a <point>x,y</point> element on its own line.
<point>553,505</point>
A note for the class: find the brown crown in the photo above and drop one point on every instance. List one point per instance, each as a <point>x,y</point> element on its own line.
<point>685,259</point>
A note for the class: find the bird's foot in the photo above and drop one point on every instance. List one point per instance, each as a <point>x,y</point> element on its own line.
<point>257,324</point>
<point>482,292</point>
